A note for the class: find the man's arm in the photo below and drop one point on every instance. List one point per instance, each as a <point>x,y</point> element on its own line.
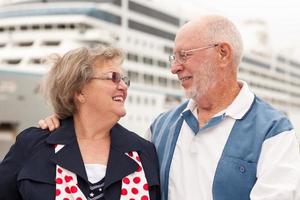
<point>278,169</point>
<point>51,122</point>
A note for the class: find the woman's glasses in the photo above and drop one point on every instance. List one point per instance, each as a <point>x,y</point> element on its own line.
<point>115,77</point>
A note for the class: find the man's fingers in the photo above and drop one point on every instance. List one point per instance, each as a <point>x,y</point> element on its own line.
<point>52,122</point>
<point>42,124</point>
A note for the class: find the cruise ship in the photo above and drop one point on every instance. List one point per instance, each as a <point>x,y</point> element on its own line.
<point>32,30</point>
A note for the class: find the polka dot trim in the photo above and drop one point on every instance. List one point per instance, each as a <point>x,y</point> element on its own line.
<point>135,186</point>
<point>66,183</point>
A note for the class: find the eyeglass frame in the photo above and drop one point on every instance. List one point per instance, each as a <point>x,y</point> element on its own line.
<point>185,53</point>
<point>116,80</point>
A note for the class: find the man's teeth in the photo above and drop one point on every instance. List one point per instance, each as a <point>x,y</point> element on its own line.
<point>185,78</point>
<point>118,99</point>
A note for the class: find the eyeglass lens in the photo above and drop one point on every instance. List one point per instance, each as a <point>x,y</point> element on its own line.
<point>116,78</point>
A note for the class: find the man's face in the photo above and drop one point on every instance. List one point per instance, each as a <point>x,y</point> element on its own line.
<point>197,73</point>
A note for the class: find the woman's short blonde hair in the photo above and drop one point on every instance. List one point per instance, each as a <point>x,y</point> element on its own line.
<point>71,72</point>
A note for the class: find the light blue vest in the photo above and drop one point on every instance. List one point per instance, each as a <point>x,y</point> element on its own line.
<point>236,171</point>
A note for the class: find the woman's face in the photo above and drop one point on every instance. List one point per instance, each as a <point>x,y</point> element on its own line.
<point>105,94</point>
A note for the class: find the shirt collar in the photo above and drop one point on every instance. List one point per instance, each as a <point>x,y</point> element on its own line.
<point>242,102</point>
<point>237,109</point>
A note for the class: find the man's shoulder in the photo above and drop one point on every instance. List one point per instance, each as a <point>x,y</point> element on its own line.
<point>268,119</point>
<point>176,111</point>
<point>264,109</point>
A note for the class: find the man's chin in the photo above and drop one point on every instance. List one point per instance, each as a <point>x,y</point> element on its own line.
<point>190,94</point>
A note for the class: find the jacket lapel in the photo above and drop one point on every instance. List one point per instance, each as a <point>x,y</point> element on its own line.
<point>119,164</point>
<point>69,157</point>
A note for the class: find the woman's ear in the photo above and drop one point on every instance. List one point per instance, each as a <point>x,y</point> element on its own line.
<point>79,96</point>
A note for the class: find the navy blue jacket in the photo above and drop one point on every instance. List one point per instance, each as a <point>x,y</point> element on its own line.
<point>28,170</point>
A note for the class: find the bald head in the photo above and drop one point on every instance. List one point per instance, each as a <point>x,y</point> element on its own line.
<point>211,29</point>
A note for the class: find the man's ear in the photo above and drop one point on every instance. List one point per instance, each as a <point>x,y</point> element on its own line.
<point>225,53</point>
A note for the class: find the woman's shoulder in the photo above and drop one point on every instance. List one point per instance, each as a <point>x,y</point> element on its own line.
<point>31,137</point>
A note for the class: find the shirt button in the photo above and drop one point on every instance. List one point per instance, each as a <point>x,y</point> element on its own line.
<point>242,169</point>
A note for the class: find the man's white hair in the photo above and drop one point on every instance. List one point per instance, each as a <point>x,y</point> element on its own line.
<point>219,29</point>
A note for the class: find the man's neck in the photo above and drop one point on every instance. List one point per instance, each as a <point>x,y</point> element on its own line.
<point>217,100</point>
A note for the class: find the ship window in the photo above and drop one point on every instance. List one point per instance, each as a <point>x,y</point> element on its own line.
<point>132,57</point>
<point>148,79</point>
<point>295,75</point>
<point>138,100</point>
<point>280,70</point>
<point>61,26</point>
<point>133,76</point>
<point>153,13</point>
<point>2,45</point>
<point>106,16</point>
<point>35,27</point>
<point>35,61</point>
<point>146,101</point>
<point>162,81</point>
<point>117,2</point>
<point>13,61</point>
<point>153,102</point>
<point>25,44</point>
<point>72,26</point>
<point>168,50</point>
<point>1,29</point>
<point>147,60</point>
<point>48,26</point>
<point>51,43</point>
<point>175,84</point>
<point>84,26</point>
<point>150,30</point>
<point>162,64</point>
<point>281,59</point>
<point>255,62</point>
<point>23,28</point>
<point>294,64</point>
<point>129,99</point>
<point>11,28</point>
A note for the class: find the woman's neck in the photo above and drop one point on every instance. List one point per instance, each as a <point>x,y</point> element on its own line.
<point>92,127</point>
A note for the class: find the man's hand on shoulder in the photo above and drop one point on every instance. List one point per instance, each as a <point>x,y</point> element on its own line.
<point>51,122</point>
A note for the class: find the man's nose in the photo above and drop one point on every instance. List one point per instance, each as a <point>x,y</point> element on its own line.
<point>176,67</point>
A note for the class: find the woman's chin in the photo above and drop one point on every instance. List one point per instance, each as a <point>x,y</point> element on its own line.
<point>122,113</point>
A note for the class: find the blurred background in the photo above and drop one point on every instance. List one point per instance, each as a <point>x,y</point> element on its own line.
<point>30,30</point>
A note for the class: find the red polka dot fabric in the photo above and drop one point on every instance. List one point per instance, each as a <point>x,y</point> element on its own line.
<point>135,186</point>
<point>66,183</point>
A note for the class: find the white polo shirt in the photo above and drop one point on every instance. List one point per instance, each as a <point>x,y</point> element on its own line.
<point>196,157</point>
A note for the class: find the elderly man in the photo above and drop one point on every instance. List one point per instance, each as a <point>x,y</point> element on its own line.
<point>224,143</point>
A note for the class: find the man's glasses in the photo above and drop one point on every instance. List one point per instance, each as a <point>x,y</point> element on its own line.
<point>182,56</point>
<point>115,77</point>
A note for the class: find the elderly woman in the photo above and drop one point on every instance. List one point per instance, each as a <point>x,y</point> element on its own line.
<point>90,156</point>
